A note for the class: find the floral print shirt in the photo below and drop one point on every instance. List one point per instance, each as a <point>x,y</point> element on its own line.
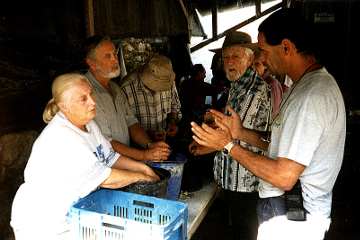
<point>250,97</point>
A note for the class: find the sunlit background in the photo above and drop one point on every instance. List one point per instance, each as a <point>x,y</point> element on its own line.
<point>226,20</point>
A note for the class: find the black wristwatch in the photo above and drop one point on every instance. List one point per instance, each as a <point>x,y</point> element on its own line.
<point>226,150</point>
<point>148,144</point>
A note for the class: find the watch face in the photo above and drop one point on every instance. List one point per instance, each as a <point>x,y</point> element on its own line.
<point>225,151</point>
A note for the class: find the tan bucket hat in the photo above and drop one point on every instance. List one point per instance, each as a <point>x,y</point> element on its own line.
<point>157,74</point>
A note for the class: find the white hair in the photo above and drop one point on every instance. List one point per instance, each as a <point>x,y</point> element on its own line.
<point>248,52</point>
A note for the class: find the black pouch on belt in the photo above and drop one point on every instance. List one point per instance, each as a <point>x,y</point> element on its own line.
<point>294,203</point>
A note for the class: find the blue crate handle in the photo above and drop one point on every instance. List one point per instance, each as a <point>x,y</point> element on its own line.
<point>110,225</point>
<point>87,205</point>
<point>179,224</point>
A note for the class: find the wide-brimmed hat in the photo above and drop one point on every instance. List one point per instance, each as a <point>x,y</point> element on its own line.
<point>237,38</point>
<point>157,74</point>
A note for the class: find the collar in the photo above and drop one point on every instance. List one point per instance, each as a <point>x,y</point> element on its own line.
<point>247,77</point>
<point>96,84</point>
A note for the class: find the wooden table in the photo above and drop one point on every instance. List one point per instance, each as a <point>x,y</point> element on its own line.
<point>200,204</point>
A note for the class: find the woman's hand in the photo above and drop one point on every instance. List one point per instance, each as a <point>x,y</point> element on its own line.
<point>150,175</point>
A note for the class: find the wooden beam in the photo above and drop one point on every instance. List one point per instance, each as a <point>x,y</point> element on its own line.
<point>184,9</point>
<point>236,27</point>
<point>214,12</point>
<point>257,7</point>
<point>186,16</point>
<point>89,18</point>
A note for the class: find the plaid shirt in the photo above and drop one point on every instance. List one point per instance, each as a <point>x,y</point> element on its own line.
<point>250,97</point>
<point>151,109</point>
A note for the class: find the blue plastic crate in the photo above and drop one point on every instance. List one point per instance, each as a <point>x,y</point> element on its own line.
<point>110,214</point>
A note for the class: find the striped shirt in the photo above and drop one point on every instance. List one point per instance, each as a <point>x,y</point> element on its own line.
<point>250,97</point>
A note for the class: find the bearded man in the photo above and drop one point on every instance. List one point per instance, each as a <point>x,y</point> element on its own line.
<point>250,97</point>
<point>113,114</point>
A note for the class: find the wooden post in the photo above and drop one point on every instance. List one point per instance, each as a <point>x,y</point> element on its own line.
<point>89,18</point>
<point>214,11</point>
<point>186,16</point>
<point>257,7</point>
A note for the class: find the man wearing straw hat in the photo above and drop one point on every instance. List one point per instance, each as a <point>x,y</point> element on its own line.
<point>152,96</point>
<point>250,97</point>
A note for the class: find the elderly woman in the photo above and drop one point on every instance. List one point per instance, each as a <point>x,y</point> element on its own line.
<point>69,160</point>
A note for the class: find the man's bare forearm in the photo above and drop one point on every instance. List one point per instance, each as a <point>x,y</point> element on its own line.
<point>255,138</point>
<point>139,135</point>
<point>127,151</point>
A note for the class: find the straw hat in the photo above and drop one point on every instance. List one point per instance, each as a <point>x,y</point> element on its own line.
<point>237,38</point>
<point>157,74</point>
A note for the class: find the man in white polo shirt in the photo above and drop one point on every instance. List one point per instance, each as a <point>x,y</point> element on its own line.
<point>307,139</point>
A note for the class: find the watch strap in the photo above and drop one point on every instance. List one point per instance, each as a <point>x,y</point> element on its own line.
<point>226,150</point>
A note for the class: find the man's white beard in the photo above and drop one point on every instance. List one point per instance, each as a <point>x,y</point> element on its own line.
<point>110,74</point>
<point>233,77</point>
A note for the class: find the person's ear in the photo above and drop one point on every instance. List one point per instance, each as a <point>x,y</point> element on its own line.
<point>286,46</point>
<point>91,64</point>
<point>63,107</point>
